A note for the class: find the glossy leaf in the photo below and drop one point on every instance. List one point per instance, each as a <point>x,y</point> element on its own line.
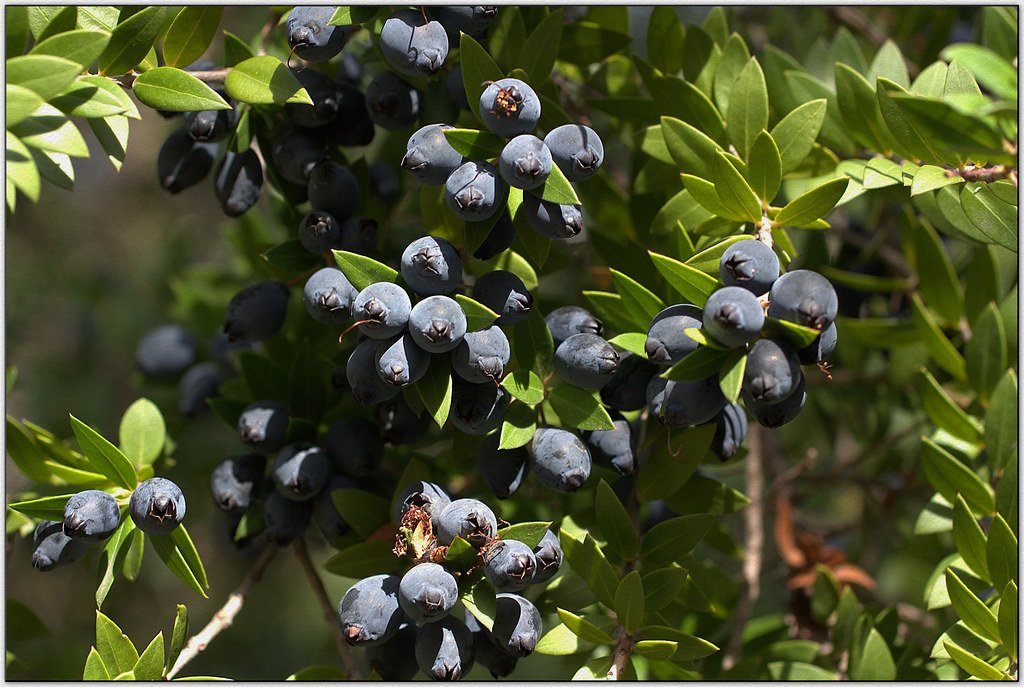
<point>733,189</point>
<point>44,508</point>
<point>530,533</point>
<point>94,667</point>
<point>730,376</point>
<point>115,550</point>
<point>969,538</point>
<point>970,608</point>
<point>662,586</point>
<point>45,75</point>
<point>561,641</point>
<point>81,46</point>
<point>518,426</point>
<point>1001,421</point>
<point>130,40</point>
<point>363,510</point>
<point>142,432</point>
<point>235,49</point>
<point>190,34</point>
<point>765,167</point>
<point>640,302</point>
<point>583,628</point>
<point>705,193</point>
<point>689,148</point>
<point>748,107</point>
<point>475,144</point>
<point>83,98</point>
<point>692,284</point>
<point>973,665</point>
<point>357,14</point>
<point>945,413</point>
<point>175,90</point>
<point>579,408</point>
<point>477,67</point>
<point>613,522</point>
<point>106,458</point>
<point>688,647</point>
<point>115,649</point>
<point>362,271</point>
<point>939,346</point>
<point>264,80</point>
<point>813,204</point>
<point>478,315</point>
<point>992,71</point>
<point>874,661</point>
<point>150,666</point>
<point>702,363</point>
<point>993,217</point>
<point>587,560</point>
<point>435,389</point>
<point>796,133</point>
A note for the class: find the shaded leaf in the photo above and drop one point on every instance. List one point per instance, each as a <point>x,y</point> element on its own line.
<point>579,408</point>
<point>613,522</point>
<point>175,90</point>
<point>264,80</point>
<point>130,40</point>
<point>190,34</point>
<point>106,458</point>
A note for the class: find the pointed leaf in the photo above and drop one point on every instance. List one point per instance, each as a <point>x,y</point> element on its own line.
<point>142,432</point>
<point>705,193</point>
<point>82,46</point>
<point>1001,552</point>
<point>478,315</point>
<point>115,549</point>
<point>641,303</point>
<point>993,217</point>
<point>579,408</point>
<point>583,628</point>
<point>700,364</point>
<point>94,667</point>
<point>970,540</point>
<point>674,538</point>
<point>519,425</point>
<point>45,508</point>
<point>748,107</point>
<point>362,271</point>
<point>537,56</point>
<point>588,561</point>
<point>190,34</point>
<point>435,388</point>
<point>477,67</point>
<point>813,204</point>
<point>475,144</point>
<point>175,90</point>
<point>940,287</point>
<point>973,665</point>
<point>130,40</point>
<point>117,651</point>
<point>530,533</point>
<point>363,559</point>
<point>692,284</point>
<point>1008,618</point>
<point>661,586</point>
<point>939,346</point>
<point>561,641</point>
<point>796,133</point>
<point>975,614</point>
<point>534,347</point>
<point>106,458</point>
<point>150,666</point>
<point>45,75</point>
<point>613,522</point>
<point>765,167</point>
<point>1001,421</point>
<point>985,353</point>
<point>733,189</point>
<point>524,385</point>
<point>168,552</point>
<point>629,601</point>
<point>264,80</point>
<point>949,476</point>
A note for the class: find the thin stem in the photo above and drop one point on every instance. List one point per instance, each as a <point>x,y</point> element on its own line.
<point>753,525</point>
<point>620,660</point>
<point>351,669</point>
<point>223,618</point>
<point>211,75</point>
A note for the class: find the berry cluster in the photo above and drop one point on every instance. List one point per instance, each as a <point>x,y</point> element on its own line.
<point>156,507</point>
<point>397,617</point>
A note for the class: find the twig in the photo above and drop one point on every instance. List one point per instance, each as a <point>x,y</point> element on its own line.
<point>753,526</point>
<point>621,656</point>
<point>351,669</point>
<point>267,32</point>
<point>223,618</point>
<point>211,75</point>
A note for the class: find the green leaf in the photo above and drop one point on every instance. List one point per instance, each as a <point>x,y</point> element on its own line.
<point>809,206</point>
<point>939,346</point>
<point>700,364</point>
<point>142,432</point>
<point>1001,553</point>
<point>664,36</point>
<point>115,549</point>
<point>579,408</point>
<point>874,660</point>
<point>584,629</point>
<point>130,40</point>
<point>692,284</point>
<point>477,68</point>
<point>953,131</point>
<point>114,647</point>
<point>479,600</point>
<point>50,130</point>
<point>475,144</point>
<point>25,452</point>
<point>264,80</point>
<point>435,388</point>
<point>363,510</point>
<point>537,56</point>
<point>825,595</point>
<point>106,458</point>
<point>534,347</point>
<point>860,111</point>
<point>112,134</point>
<point>689,148</point>
<point>357,14</point>
<point>613,522</point>
<point>235,49</point>
<point>45,508</point>
<point>525,386</point>
<point>588,561</point>
<point>798,670</point>
<point>730,377</point>
<point>94,667</point>
<point>992,71</point>
<point>1001,424</point>
<point>629,601</point>
<point>1008,618</point>
<point>585,42</point>
<point>975,614</point>
<point>45,75</point>
<point>796,133</point>
<point>460,556</point>
<point>735,56</point>
<point>974,665</point>
<point>678,215</point>
<point>190,34</point>
<point>940,287</point>
<point>478,315</point>
<point>985,353</point>
<point>561,641</point>
<point>172,557</point>
<point>317,673</point>
<point>945,413</point>
<point>705,193</point>
<point>362,271</point>
<point>82,47</point>
<point>175,90</point>
<point>188,552</point>
<point>674,538</point>
<point>949,476</point>
<point>662,586</point>
<point>663,473</point>
<point>765,167</point>
<point>748,107</point>
<point>150,666</point>
<point>557,189</point>
<point>640,302</point>
<point>84,98</point>
<point>133,561</point>
<point>733,189</point>
<point>930,177</point>
<point>363,559</point>
<point>631,341</point>
<point>530,533</point>
<point>518,426</point>
<point>688,647</point>
<point>993,217</point>
<point>21,102</point>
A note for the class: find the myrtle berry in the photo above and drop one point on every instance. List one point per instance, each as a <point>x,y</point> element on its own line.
<point>730,429</point>
<point>567,320</point>
<point>477,408</point>
<point>750,264</point>
<point>354,445</point>
<point>437,324</point>
<point>821,348</point>
<point>482,355</point>
<point>427,592</point>
<point>401,362</point>
<point>444,650</point>
<point>548,554</point>
<point>777,414</point>
<point>166,351</point>
<point>328,296</point>
<point>469,519</point>
<point>517,624</point>
<point>236,481</point>
<point>353,125</point>
<point>613,448</point>
<point>499,239</point>
<point>200,382</point>
<point>576,149</point>
<point>733,316</point>
<point>157,506</point>
<point>369,612</point>
<point>333,188</point>
<point>426,496</point>
<point>455,89</point>
<point>358,235</point>
<point>399,423</point>
<point>412,45</point>
<point>183,161</point>
<point>295,151</point>
<point>497,660</point>
<point>469,19</point>
<point>804,297</point>
<point>552,220</point>
<point>322,91</point>
<point>395,659</point>
<point>475,191</point>
<point>432,266</point>
<point>361,372</point>
<point>257,312</point>
<point>91,515</point>
<point>509,107</point>
<point>311,36</point>
<point>430,157</point>
<point>586,361</point>
<point>211,125</point>
<point>325,513</point>
<point>382,310</point>
<point>667,342</point>
<point>509,565</point>
<point>681,404</point>
<point>503,470</point>
<point>239,182</point>
<point>300,471</point>
<point>284,518</point>
<point>627,388</point>
<point>525,162</point>
<point>52,548</point>
<point>391,102</point>
<point>384,182</point>
<point>559,458</point>
<point>505,294</point>
<point>263,426</point>
<point>319,231</point>
<point>772,370</point>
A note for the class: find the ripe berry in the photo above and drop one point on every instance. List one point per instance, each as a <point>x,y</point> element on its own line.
<point>322,91</point>
<point>502,469</point>
<point>382,309</point>
<point>475,191</point>
<point>667,343</point>
<point>681,404</point>
<point>469,519</point>
<point>284,518</point>
<point>432,266</point>
<point>263,426</point>
<point>627,388</point>
<point>427,593</point>
<point>567,320</point>
<point>552,220</point>
<point>52,548</point>
<point>437,324</point>
<point>612,448</point>
<point>424,495</point>
<point>549,557</point>
<point>157,506</point>
<point>559,458</point>
<point>509,107</point>
<point>91,515</point>
<point>361,372</point>
<point>477,408</point>
<point>733,316</point>
<point>804,297</point>
<point>300,471</point>
<point>509,565</point>
<point>325,513</point>
<point>395,659</point>
<point>750,264</point>
<point>311,36</point>
<point>239,182</point>
<point>821,348</point>
<point>525,162</point>
<point>236,481</point>
<point>505,294</point>
<point>333,188</point>
<point>730,428</point>
<point>429,156</point>
<point>482,355</point>
<point>257,312</point>
<point>777,414</point>
<point>412,45</point>
<point>517,624</point>
<point>444,650</point>
<point>576,149</point>
<point>391,102</point>
<point>369,612</point>
<point>328,296</point>
<point>166,351</point>
<point>772,370</point>
<point>200,382</point>
<point>586,361</point>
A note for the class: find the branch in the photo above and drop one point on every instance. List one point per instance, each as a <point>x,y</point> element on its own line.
<point>753,525</point>
<point>223,618</point>
<point>211,75</point>
<point>330,615</point>
<point>620,659</point>
<point>267,32</point>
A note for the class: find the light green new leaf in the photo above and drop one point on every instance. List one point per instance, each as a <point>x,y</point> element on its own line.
<point>631,341</point>
<point>117,651</point>
<point>184,544</point>
<point>974,665</point>
<point>112,134</point>
<point>810,206</point>
<point>524,385</point>
<point>87,98</point>
<point>94,668</point>
<point>150,666</point>
<point>190,34</point>
<point>890,64</point>
<point>932,177</point>
<point>748,107</point>
<point>175,90</point>
<point>22,173</point>
<point>106,458</point>
<point>561,641</point>
<point>357,14</point>
<point>475,144</point>
<point>46,75</point>
<point>21,102</point>
<point>588,561</point>
<point>579,408</point>
<point>142,432</point>
<point>975,614</point>
<point>82,47</point>
<point>50,130</point>
<point>730,376</point>
<point>583,628</point>
<point>264,80</point>
<point>530,533</point>
<point>613,522</point>
<point>130,40</point>
<point>557,189</point>
<point>733,189</point>
<point>629,601</point>
<point>44,508</point>
<point>362,271</point>
<point>518,426</point>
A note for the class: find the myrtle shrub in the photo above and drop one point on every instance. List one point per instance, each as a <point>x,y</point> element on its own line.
<point>534,323</point>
